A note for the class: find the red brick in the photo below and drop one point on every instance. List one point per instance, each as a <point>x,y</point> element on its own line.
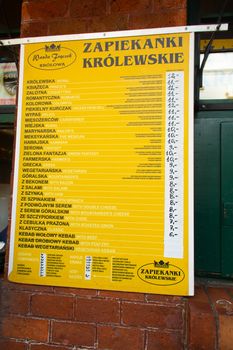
<point>73,333</point>
<point>225,332</point>
<point>98,310</point>
<point>199,306</point>
<point>160,5</point>
<point>67,26</point>
<point>164,19</point>
<point>15,302</point>
<point>224,307</point>
<point>27,287</point>
<point>217,293</point>
<point>54,306</point>
<point>108,23</point>
<point>200,295</point>
<point>121,295</point>
<point>167,299</point>
<point>119,338</point>
<point>230,292</point>
<point>161,340</point>
<point>152,315</point>
<point>12,345</point>
<point>88,8</point>
<point>200,303</point>
<point>131,6</point>
<point>25,328</point>
<point>44,9</point>
<point>48,347</point>
<point>33,29</point>
<point>202,327</point>
<point>221,300</point>
<point>76,291</point>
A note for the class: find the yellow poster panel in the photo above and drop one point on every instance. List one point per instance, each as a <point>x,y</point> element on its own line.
<point>103,175</point>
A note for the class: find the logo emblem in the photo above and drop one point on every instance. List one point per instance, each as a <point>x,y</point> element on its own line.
<point>161,273</point>
<point>52,57</point>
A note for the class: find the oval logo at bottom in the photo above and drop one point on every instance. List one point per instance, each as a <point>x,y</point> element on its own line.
<point>161,273</point>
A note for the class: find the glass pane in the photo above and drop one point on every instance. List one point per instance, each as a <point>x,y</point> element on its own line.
<point>218,77</point>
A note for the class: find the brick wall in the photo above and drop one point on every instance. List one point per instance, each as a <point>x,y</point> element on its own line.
<point>52,318</point>
<point>52,17</point>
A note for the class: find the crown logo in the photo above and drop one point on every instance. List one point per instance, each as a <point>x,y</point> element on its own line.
<point>161,264</point>
<point>52,48</point>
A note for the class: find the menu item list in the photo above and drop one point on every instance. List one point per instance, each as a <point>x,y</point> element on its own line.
<point>100,182</point>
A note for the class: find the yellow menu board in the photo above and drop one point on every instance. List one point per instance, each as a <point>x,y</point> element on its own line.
<point>103,171</point>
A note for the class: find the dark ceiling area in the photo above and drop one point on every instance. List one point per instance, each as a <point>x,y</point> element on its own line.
<point>10,17</point>
<point>211,12</point>
<point>210,9</point>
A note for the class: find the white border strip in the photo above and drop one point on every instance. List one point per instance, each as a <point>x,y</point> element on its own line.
<point>16,162</point>
<point>191,167</point>
<point>102,35</point>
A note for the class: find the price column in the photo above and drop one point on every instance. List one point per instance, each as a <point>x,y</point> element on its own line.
<point>174,165</point>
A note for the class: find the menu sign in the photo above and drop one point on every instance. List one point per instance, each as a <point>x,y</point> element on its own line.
<point>103,177</point>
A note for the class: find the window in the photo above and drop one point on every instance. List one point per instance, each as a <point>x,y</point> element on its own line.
<point>218,77</point>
